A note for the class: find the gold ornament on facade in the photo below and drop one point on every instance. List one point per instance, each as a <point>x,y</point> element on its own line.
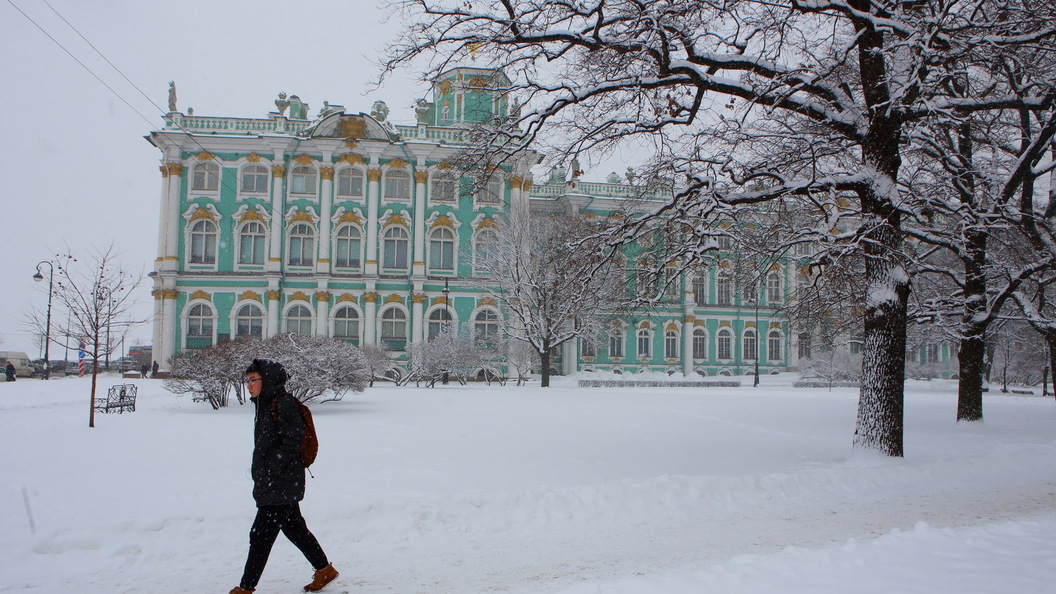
<point>202,213</point>
<point>370,297</point>
<point>346,297</point>
<point>396,219</point>
<point>164,170</point>
<point>200,295</point>
<point>445,87</point>
<point>487,223</point>
<point>204,156</point>
<point>749,324</point>
<point>486,302</point>
<point>299,296</point>
<point>689,319</point>
<point>273,295</point>
<point>725,324</point>
<point>253,158</point>
<point>441,301</point>
<point>443,166</point>
<point>351,159</point>
<point>394,298</point>
<point>442,221</point>
<point>278,171</point>
<point>350,217</point>
<point>397,163</point>
<point>480,82</point>
<point>327,173</point>
<point>301,216</point>
<point>250,215</point>
<point>322,297</point>
<point>527,185</point>
<point>418,298</point>
<point>303,159</point>
<point>174,168</point>
<point>775,325</point>
<point>374,175</point>
<point>516,182</point>
<point>352,127</point>
<point>351,144</point>
<point>420,177</point>
<point>643,325</point>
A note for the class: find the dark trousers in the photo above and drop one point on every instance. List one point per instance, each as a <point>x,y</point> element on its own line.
<point>266,526</point>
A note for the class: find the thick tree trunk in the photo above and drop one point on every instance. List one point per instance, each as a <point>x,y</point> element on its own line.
<point>544,360</point>
<point>881,401</point>
<point>972,349</point>
<point>1050,341</point>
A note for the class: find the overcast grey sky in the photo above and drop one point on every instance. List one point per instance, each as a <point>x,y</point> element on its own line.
<point>76,170</point>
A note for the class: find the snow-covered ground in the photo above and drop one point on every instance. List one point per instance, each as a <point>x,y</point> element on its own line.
<point>525,490</point>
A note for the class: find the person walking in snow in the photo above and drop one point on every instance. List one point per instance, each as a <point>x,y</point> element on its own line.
<point>278,478</point>
<point>9,371</point>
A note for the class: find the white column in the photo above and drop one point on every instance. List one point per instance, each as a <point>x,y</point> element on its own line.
<point>417,333</point>
<point>158,335</point>
<point>322,313</point>
<point>687,345</point>
<point>570,357</point>
<point>168,316</point>
<point>373,185</point>
<point>420,177</point>
<point>278,176</point>
<point>172,213</point>
<point>272,298</point>
<point>165,212</point>
<point>370,319</point>
<point>325,212</point>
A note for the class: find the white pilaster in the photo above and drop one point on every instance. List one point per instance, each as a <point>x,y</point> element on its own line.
<point>418,268</point>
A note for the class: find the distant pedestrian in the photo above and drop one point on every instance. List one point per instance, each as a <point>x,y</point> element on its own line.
<point>144,370</point>
<point>154,370</point>
<point>9,371</point>
<point>278,478</point>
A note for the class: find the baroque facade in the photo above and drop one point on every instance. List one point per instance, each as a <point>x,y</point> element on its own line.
<point>345,225</point>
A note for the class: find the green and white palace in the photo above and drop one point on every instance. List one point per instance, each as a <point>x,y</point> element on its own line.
<point>345,225</point>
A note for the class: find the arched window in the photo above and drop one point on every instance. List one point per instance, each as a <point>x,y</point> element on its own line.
<point>442,249</point>
<point>394,248</point>
<point>773,288</point>
<point>302,245</point>
<point>203,242</point>
<point>299,320</point>
<point>255,179</point>
<point>486,252</point>
<point>350,182</point>
<point>773,346</point>
<point>439,320</point>
<point>206,177</point>
<point>249,321</point>
<point>251,243</point>
<point>805,346</point>
<point>346,324</point>
<point>616,343</point>
<point>700,288</point>
<point>302,180</point>
<point>347,247</point>
<point>700,343</point>
<point>442,188</point>
<point>486,328</point>
<point>648,280</point>
<point>750,344</point>
<point>645,344</point>
<point>671,344</point>
<point>724,345</point>
<point>398,184</point>
<point>588,347</point>
<point>723,290</point>
<point>199,326</point>
<point>393,329</point>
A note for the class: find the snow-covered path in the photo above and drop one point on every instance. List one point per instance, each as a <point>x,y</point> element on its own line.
<point>533,491</point>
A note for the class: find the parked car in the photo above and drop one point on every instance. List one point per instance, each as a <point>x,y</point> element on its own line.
<point>58,368</point>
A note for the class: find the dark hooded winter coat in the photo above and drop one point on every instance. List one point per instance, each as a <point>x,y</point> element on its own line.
<point>278,435</point>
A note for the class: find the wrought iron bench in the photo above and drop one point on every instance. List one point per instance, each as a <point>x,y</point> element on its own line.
<point>120,398</point>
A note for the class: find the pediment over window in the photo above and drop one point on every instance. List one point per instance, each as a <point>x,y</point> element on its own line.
<point>352,127</point>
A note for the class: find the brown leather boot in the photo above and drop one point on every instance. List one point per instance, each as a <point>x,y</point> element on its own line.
<point>239,590</point>
<point>322,577</point>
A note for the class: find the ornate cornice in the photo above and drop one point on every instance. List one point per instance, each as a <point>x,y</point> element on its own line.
<point>394,298</point>
<point>397,163</point>
<point>204,156</point>
<point>299,296</point>
<point>374,175</point>
<point>322,297</point>
<point>370,297</point>
<point>174,168</point>
<point>418,298</point>
<point>303,159</point>
<point>420,177</point>
<point>351,158</point>
<point>278,171</point>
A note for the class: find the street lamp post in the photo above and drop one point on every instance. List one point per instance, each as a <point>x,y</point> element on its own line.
<point>447,322</point>
<point>47,328</point>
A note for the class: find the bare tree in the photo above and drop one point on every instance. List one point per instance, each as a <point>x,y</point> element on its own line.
<point>824,95</point>
<point>98,293</point>
<point>552,275</point>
